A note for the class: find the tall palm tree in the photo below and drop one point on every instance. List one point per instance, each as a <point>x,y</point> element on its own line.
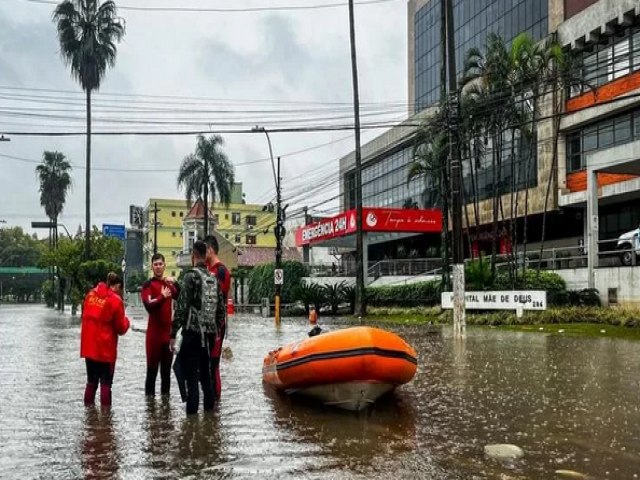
<point>431,163</point>
<point>88,32</point>
<point>487,82</point>
<point>207,171</point>
<point>55,182</point>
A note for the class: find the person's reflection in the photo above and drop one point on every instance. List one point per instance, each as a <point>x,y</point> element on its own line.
<point>199,444</point>
<point>100,457</point>
<point>159,430</point>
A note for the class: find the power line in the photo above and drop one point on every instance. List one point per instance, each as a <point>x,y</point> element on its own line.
<point>230,10</point>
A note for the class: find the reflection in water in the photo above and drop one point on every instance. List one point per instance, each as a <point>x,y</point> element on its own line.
<point>570,404</point>
<point>100,456</point>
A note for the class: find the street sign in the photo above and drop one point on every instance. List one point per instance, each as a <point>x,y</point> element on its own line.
<point>111,230</point>
<point>136,216</point>
<point>278,276</point>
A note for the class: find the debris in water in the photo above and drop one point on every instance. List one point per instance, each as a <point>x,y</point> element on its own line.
<point>503,451</point>
<point>570,474</point>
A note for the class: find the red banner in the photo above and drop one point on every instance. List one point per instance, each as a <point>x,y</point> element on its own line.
<point>375,220</point>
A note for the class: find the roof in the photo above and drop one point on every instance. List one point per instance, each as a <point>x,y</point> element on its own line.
<point>252,256</point>
<point>197,211</point>
<point>22,270</point>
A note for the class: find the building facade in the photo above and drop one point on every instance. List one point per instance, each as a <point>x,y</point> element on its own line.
<point>599,124</point>
<point>241,224</point>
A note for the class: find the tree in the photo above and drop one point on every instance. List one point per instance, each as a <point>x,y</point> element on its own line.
<point>84,274</point>
<point>55,182</point>
<point>207,171</point>
<point>430,162</point>
<point>17,249</point>
<point>88,32</point>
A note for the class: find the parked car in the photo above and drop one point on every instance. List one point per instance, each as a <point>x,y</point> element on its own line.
<point>628,243</point>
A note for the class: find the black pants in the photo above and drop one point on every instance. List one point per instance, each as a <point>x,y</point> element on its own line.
<point>99,372</point>
<point>195,359</point>
<point>163,360</point>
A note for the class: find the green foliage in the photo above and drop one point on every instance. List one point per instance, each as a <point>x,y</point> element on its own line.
<point>532,280</point>
<point>588,297</point>
<point>134,281</point>
<point>17,249</point>
<point>49,293</point>
<point>412,295</point>
<point>478,275</point>
<point>261,281</point>
<point>349,296</point>
<point>106,254</point>
<point>333,294</point>
<point>310,294</point>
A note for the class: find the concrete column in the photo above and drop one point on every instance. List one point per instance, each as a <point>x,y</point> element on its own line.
<point>592,225</point>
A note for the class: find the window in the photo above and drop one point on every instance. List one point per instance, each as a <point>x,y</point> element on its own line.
<point>251,239</point>
<point>603,134</point>
<point>235,218</point>
<point>251,220</point>
<point>238,239</point>
<point>226,216</point>
<point>173,273</point>
<point>173,214</point>
<point>226,235</point>
<point>217,218</point>
<point>181,214</point>
<point>174,234</point>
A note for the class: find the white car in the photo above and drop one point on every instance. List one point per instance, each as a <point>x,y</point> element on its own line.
<point>628,242</point>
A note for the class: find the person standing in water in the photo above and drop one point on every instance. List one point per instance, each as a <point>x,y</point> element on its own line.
<point>103,320</point>
<point>157,294</point>
<point>218,270</point>
<point>195,314</point>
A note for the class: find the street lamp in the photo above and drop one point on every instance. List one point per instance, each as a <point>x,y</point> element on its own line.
<point>4,139</point>
<point>278,274</point>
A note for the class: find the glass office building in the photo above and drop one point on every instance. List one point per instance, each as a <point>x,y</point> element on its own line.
<point>473,21</point>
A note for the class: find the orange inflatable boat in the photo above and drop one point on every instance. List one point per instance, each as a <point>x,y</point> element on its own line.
<point>348,368</point>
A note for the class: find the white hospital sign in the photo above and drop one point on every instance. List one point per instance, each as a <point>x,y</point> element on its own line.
<point>500,300</point>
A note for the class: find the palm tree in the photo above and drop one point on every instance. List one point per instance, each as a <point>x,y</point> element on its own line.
<point>88,31</point>
<point>55,182</point>
<point>430,162</point>
<point>205,171</point>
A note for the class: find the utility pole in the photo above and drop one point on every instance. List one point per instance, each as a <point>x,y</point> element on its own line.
<point>278,276</point>
<point>306,249</point>
<point>155,227</point>
<point>361,308</point>
<point>459,323</point>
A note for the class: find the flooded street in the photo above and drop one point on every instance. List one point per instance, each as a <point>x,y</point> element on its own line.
<point>570,403</point>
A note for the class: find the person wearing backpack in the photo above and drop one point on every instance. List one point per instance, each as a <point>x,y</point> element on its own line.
<point>217,268</point>
<point>195,314</point>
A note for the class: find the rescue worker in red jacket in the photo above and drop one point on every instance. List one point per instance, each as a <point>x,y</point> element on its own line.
<point>217,268</point>
<point>157,294</point>
<point>103,320</point>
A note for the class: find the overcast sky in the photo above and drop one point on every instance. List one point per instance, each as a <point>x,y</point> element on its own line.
<point>252,61</point>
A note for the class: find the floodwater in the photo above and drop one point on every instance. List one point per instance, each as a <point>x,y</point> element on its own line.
<point>569,403</point>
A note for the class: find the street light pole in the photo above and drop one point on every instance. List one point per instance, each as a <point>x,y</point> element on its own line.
<point>279,226</point>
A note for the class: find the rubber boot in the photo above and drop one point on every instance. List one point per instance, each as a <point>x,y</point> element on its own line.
<point>90,393</point>
<point>105,395</point>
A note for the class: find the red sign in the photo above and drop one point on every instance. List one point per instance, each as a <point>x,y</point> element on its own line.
<point>374,220</point>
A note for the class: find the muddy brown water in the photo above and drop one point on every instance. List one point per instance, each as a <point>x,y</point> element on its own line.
<point>570,403</point>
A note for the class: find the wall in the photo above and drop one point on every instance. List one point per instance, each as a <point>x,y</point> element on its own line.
<point>625,279</point>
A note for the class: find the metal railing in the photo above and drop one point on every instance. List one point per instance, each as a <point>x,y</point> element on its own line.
<point>555,258</point>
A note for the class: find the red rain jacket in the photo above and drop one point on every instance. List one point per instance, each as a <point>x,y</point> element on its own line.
<point>224,277</point>
<point>103,319</point>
